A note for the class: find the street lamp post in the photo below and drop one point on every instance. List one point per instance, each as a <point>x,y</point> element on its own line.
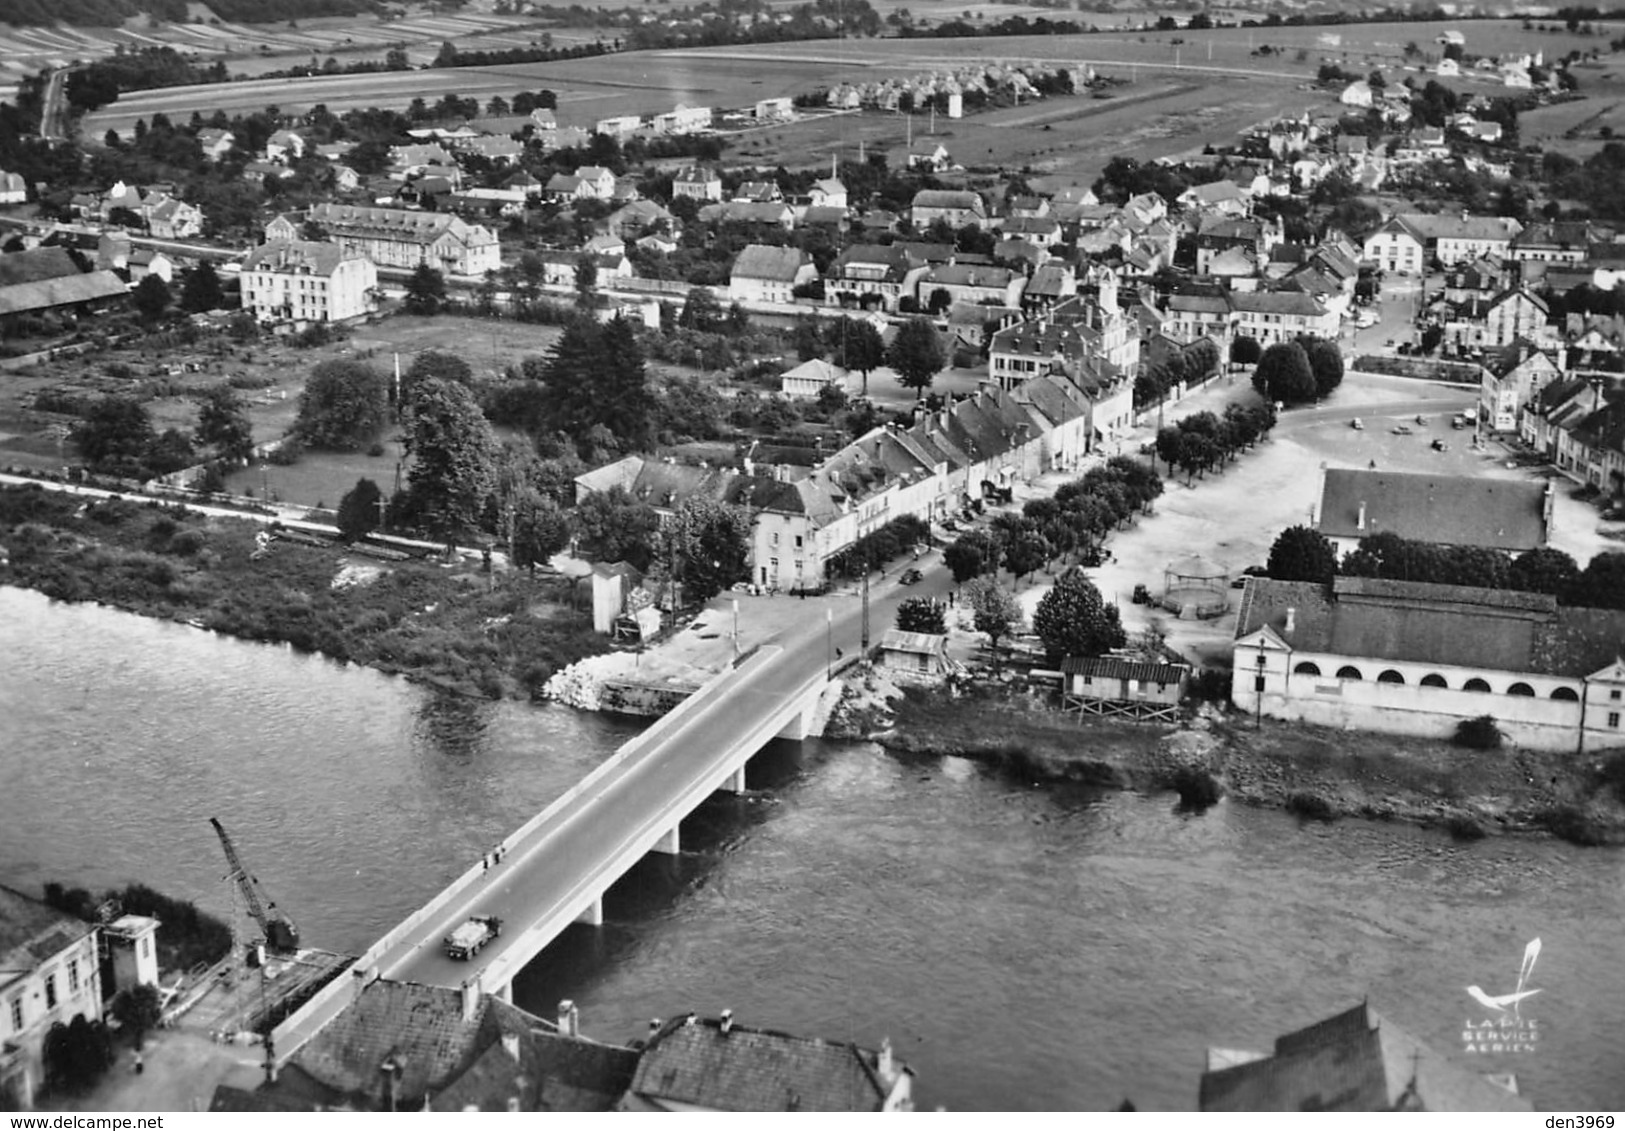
<point>736,627</point>
<point>1258,692</point>
<point>829,644</point>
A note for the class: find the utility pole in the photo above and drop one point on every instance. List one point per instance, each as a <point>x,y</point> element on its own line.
<point>864,638</point>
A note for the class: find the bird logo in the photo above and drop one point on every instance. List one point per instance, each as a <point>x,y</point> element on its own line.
<point>1501,1003</point>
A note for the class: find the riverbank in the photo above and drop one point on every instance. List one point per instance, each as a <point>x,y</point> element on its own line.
<point>446,625</point>
<point>1317,773</point>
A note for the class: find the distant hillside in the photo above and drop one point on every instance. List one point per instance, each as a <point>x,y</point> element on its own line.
<point>111,13</point>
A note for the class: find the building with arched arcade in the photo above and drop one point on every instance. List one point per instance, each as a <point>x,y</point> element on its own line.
<point>1411,658</point>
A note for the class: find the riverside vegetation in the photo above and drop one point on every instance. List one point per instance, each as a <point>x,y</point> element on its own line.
<point>449,627</point>
<point>1312,772</point>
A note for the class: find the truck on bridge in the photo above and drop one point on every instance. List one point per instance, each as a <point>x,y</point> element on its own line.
<point>465,942</point>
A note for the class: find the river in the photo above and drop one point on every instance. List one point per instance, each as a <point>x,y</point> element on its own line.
<point>1022,947</point>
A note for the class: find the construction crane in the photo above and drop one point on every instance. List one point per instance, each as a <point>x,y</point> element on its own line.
<point>280,933</point>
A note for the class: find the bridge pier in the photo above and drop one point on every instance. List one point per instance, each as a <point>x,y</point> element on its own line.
<point>670,843</point>
<point>735,782</point>
<point>801,725</point>
<point>593,913</point>
<point>505,992</point>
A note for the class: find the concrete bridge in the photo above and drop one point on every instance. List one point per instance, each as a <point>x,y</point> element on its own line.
<point>556,868</point>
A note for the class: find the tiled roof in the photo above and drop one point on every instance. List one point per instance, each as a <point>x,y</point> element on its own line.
<point>692,1061</point>
<point>1111,667</point>
<point>963,275</point>
<point>35,265</point>
<point>780,264</point>
<point>31,932</point>
<point>1498,630</point>
<point>948,198</point>
<point>66,291</point>
<point>420,1028</point>
<point>1356,1061</point>
<point>918,643</point>
<point>1276,302</point>
<point>317,257</point>
<point>1451,510</point>
<point>542,1071</point>
<point>396,224</point>
<point>1429,226</point>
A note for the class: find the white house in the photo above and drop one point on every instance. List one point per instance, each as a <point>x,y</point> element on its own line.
<point>769,274</point>
<point>48,977</point>
<point>307,281</point>
<point>1405,657</point>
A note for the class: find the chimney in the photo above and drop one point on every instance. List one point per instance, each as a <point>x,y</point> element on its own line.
<point>471,998</point>
<point>727,1020</point>
<point>569,1019</point>
<point>1291,619</point>
<point>654,1026</point>
<point>510,1045</point>
<point>391,1071</point>
<point>1359,523</point>
<point>513,1103</point>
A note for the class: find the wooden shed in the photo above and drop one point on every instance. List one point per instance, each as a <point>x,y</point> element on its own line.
<point>1107,685</point>
<point>922,655</point>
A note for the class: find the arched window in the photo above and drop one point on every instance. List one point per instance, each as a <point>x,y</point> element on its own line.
<point>1521,689</point>
<point>1434,679</point>
<point>1308,667</point>
<point>1566,695</point>
<point>1390,676</point>
<point>1475,684</point>
<point>1349,671</point>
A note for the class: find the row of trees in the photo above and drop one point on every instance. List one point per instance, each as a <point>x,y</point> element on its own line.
<point>1191,364</point>
<point>878,547</point>
<point>1203,440</point>
<point>1075,521</point>
<point>1301,553</point>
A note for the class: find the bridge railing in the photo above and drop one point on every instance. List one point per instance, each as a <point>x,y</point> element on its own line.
<point>286,1034</point>
<point>599,874</point>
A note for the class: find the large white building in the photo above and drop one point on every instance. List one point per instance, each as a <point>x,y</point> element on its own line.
<point>398,237</point>
<point>1404,657</point>
<point>307,281</point>
<point>48,977</point>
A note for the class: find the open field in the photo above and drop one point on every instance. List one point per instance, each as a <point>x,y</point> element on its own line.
<point>724,77</point>
<point>1058,141</point>
<point>25,50</point>
<point>1596,116</point>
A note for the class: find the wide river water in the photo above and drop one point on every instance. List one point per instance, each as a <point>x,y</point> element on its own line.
<point>1022,947</point>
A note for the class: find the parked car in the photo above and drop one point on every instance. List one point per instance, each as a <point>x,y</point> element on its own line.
<point>910,576</point>
<point>1142,595</point>
<point>1357,424</point>
<point>1440,446</point>
<point>1403,430</point>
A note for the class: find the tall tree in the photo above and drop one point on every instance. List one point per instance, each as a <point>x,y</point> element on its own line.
<point>222,423</point>
<point>996,611</point>
<point>114,435</point>
<point>916,354</point>
<point>151,297</point>
<point>1544,570</point>
<point>612,526</point>
<point>425,291</point>
<point>1601,585</point>
<point>434,365</point>
<point>454,455</point>
<point>1072,619</point>
<point>595,376</point>
<point>1283,374</point>
<point>202,290</point>
<point>1325,364</point>
<point>712,539</point>
<point>1302,553</point>
<point>539,530</point>
<point>858,345</point>
<point>358,513</point>
<point>344,405</point>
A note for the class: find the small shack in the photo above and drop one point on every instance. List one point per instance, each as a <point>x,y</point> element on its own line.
<point>915,655</point>
<point>1109,685</point>
<point>612,584</point>
<point>811,378</point>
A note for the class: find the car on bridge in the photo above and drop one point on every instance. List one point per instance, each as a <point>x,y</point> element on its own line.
<point>468,939</point>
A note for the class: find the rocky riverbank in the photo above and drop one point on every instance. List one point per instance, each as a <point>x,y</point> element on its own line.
<point>1316,773</point>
